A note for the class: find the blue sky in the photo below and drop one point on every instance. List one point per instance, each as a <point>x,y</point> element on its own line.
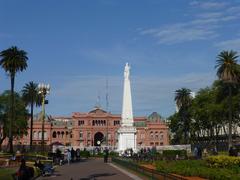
<point>76,45</point>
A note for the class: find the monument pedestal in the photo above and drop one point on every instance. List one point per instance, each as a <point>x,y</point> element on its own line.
<point>127,138</point>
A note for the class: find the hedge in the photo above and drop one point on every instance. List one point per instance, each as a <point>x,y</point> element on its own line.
<point>171,154</point>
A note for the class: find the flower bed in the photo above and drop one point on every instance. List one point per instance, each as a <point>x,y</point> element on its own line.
<point>223,161</point>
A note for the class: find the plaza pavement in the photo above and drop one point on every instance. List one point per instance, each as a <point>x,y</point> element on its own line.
<point>91,169</point>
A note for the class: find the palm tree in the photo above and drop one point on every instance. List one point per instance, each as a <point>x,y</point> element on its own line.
<point>13,60</point>
<point>228,72</point>
<point>183,100</point>
<point>30,96</point>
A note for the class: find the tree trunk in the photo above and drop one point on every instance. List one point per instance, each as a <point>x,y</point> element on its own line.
<point>31,125</point>
<point>217,132</point>
<point>12,115</point>
<point>230,117</point>
<point>1,141</point>
<point>43,119</point>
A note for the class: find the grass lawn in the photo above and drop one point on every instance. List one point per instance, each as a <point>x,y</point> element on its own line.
<point>6,173</point>
<point>198,168</point>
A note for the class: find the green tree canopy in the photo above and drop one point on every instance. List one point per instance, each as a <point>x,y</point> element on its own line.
<point>21,119</point>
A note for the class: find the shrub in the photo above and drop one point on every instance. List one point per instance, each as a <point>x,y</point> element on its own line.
<point>171,154</point>
<point>113,154</point>
<point>223,161</point>
<point>85,154</point>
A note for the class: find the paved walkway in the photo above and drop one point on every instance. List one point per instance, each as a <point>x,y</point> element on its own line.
<point>90,170</point>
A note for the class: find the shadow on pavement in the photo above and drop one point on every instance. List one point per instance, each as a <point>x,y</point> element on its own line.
<point>93,176</point>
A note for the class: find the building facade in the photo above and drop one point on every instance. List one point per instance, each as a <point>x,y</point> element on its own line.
<point>96,128</point>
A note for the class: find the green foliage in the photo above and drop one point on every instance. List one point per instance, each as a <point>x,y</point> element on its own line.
<point>198,168</point>
<point>223,161</point>
<point>113,154</point>
<point>13,60</point>
<point>208,113</point>
<point>227,69</point>
<point>6,173</point>
<point>183,101</point>
<point>85,154</point>
<point>21,114</point>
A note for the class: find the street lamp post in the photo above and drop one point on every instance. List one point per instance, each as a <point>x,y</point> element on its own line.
<point>43,90</point>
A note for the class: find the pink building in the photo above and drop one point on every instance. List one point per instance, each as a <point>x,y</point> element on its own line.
<point>96,128</point>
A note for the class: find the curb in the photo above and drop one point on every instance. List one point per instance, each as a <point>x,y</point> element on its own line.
<point>125,172</point>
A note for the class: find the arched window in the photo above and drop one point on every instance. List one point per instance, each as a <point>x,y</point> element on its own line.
<point>151,134</point>
<point>161,135</point>
<point>45,135</point>
<point>62,133</point>
<point>156,134</point>
<point>39,135</point>
<point>54,135</point>
<point>35,135</point>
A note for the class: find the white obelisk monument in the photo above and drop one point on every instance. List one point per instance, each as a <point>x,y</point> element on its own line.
<point>127,131</point>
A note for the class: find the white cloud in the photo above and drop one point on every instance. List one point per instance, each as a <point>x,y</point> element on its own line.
<point>202,26</point>
<point>233,44</point>
<point>209,5</point>
<point>182,32</point>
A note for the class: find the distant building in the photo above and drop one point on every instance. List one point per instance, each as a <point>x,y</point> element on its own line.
<point>96,128</point>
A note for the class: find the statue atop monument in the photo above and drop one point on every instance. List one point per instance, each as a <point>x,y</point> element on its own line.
<point>126,71</point>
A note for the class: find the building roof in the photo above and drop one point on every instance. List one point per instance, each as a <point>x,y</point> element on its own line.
<point>97,110</point>
<point>154,117</point>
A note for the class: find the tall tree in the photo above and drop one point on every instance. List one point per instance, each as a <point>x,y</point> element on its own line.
<point>208,115</point>
<point>183,100</point>
<point>20,125</point>
<point>228,72</point>
<point>31,97</point>
<point>13,60</point>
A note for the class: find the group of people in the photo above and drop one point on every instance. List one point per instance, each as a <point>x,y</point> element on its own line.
<point>73,155</point>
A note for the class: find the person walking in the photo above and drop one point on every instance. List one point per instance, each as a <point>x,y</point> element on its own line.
<point>78,154</point>
<point>105,155</point>
<point>68,156</point>
<point>72,154</point>
<point>195,152</point>
<point>23,172</point>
